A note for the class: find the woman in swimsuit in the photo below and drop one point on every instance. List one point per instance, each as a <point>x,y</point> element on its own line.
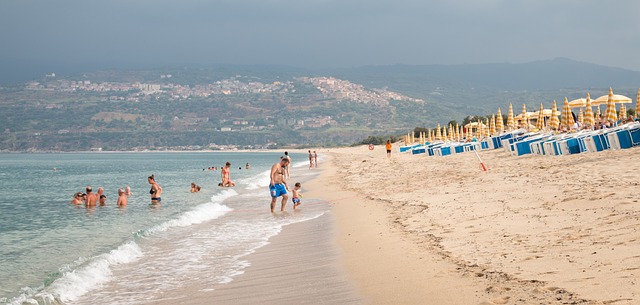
<point>226,176</point>
<point>155,191</point>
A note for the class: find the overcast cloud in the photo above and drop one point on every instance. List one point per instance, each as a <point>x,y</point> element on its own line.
<point>321,33</point>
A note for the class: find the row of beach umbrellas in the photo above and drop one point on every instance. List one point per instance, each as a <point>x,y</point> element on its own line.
<point>495,124</point>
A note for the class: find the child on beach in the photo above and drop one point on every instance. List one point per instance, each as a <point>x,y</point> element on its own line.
<point>296,195</point>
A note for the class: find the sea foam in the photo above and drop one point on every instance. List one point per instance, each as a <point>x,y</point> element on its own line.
<point>77,282</point>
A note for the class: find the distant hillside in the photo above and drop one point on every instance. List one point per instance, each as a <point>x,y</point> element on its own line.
<point>559,73</point>
<point>476,89</point>
<point>263,106</point>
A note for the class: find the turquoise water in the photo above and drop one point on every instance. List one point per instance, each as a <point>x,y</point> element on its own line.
<point>53,252</point>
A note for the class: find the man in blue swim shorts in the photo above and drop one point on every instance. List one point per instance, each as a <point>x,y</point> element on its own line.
<point>278,185</point>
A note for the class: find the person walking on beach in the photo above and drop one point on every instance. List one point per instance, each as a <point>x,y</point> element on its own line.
<point>310,160</point>
<point>92,198</point>
<point>278,184</point>
<point>226,175</point>
<point>389,147</point>
<point>156,190</point>
<point>123,200</point>
<point>315,159</point>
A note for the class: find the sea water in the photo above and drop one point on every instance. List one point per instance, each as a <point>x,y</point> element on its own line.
<point>53,252</point>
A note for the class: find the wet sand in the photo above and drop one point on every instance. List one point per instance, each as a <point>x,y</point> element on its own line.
<point>298,266</point>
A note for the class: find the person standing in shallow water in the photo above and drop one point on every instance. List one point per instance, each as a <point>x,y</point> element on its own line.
<point>286,171</point>
<point>315,159</point>
<point>310,160</point>
<point>92,199</point>
<point>278,185</point>
<point>156,189</point>
<point>123,200</point>
<point>225,172</point>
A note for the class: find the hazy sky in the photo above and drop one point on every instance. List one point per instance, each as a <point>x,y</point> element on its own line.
<point>321,33</point>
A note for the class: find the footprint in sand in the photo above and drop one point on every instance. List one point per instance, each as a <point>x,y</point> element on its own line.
<point>500,300</point>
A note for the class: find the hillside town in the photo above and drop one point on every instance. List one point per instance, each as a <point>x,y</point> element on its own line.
<point>329,87</point>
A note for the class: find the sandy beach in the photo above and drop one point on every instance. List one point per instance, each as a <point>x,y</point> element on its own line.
<point>531,230</point>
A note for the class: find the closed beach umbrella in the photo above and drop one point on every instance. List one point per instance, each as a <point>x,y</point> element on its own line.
<point>581,117</point>
<point>610,114</point>
<point>460,135</point>
<point>638,104</point>
<point>623,111</point>
<point>540,122</point>
<point>525,117</point>
<point>438,133</point>
<point>500,123</point>
<point>492,125</point>
<point>510,120</point>
<point>598,112</point>
<point>567,118</point>
<point>487,132</point>
<point>554,122</point>
<point>588,114</point>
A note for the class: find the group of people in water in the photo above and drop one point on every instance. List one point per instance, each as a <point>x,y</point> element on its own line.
<point>277,186</point>
<point>91,199</point>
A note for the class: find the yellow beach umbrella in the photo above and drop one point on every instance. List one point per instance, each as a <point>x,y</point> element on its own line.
<point>623,111</point>
<point>525,117</point>
<point>444,134</point>
<point>455,133</point>
<point>492,125</point>
<point>500,123</point>
<point>510,120</point>
<point>616,98</point>
<point>578,103</point>
<point>487,132</point>
<point>438,133</point>
<point>588,114</point>
<point>638,104</point>
<point>598,113</point>
<point>540,122</point>
<point>460,135</point>
<point>567,118</point>
<point>554,122</point>
<point>610,114</point>
<point>581,116</point>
